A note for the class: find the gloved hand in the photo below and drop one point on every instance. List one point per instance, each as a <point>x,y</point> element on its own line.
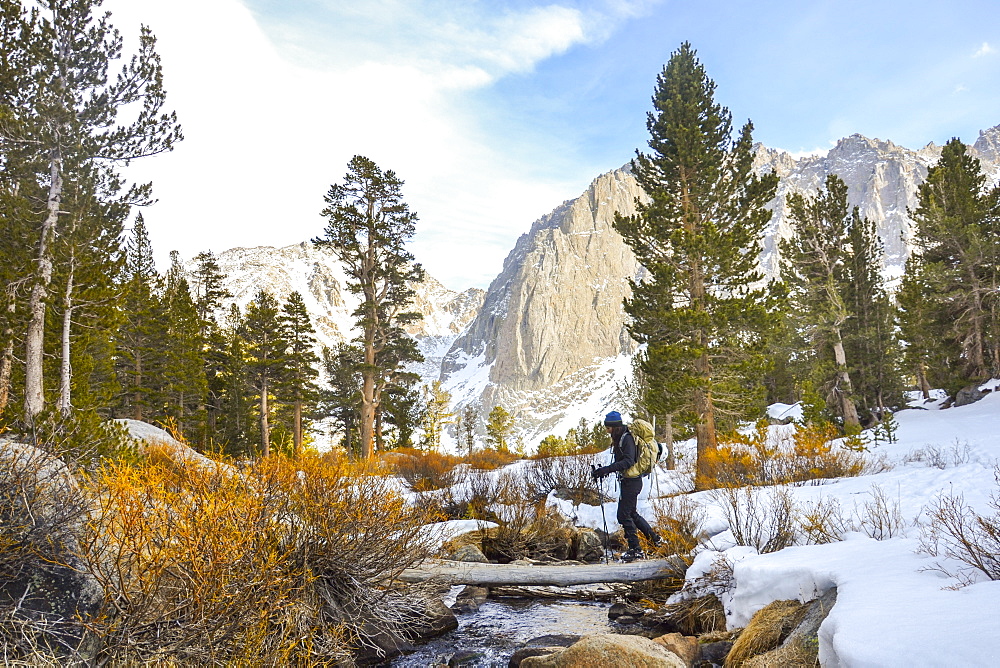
<point>597,474</point>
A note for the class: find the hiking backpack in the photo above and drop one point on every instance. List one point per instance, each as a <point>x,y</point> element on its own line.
<point>649,451</point>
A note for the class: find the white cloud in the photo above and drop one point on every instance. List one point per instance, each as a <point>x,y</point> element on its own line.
<point>268,132</point>
<point>984,50</point>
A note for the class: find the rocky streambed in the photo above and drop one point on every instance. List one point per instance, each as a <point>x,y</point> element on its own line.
<point>505,630</point>
<point>491,635</point>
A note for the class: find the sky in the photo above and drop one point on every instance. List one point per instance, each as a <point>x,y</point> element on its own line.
<point>494,112</point>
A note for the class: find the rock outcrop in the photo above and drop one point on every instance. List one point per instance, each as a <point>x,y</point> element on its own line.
<point>557,304</point>
<point>47,596</point>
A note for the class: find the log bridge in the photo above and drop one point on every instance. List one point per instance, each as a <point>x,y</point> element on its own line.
<point>559,575</point>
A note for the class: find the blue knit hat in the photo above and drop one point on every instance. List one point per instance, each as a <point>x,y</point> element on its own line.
<point>613,419</point>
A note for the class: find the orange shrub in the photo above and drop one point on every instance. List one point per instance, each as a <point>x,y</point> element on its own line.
<point>278,563</point>
<point>489,459</point>
<point>425,471</point>
<point>764,457</point>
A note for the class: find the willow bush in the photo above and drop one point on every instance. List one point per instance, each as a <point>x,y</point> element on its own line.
<point>283,562</point>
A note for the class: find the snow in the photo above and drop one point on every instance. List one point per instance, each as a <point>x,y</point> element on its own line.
<point>785,411</point>
<point>440,533</point>
<point>893,608</point>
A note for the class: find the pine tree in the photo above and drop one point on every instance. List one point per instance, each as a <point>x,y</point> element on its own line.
<point>300,370</point>
<point>87,258</point>
<point>369,223</point>
<point>499,427</point>
<point>342,401</point>
<point>209,292</point>
<point>266,349</point>
<point>815,259</point>
<point>61,120</point>
<point>870,336</point>
<point>234,377</point>
<point>184,383</point>
<point>208,286</point>
<point>467,427</point>
<point>437,401</point>
<point>139,342</point>
<point>924,355</point>
<point>698,311</point>
<point>957,230</point>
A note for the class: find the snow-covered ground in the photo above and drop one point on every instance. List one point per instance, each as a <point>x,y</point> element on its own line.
<point>894,606</point>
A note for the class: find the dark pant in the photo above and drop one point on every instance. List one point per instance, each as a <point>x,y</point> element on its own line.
<point>627,515</point>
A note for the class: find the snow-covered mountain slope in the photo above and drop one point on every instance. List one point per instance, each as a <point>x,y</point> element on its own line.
<point>320,278</point>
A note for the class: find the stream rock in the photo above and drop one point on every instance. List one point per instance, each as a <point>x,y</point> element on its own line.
<point>587,546</point>
<point>685,647</point>
<point>970,395</point>
<point>470,553</point>
<point>619,610</point>
<point>542,646</point>
<point>469,599</point>
<point>608,650</point>
<point>713,653</point>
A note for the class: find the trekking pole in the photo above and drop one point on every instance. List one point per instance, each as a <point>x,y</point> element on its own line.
<point>604,518</point>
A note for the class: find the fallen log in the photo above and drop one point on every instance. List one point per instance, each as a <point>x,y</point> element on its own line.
<point>489,575</point>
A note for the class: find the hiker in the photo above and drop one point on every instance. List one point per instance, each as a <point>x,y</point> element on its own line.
<point>626,455</point>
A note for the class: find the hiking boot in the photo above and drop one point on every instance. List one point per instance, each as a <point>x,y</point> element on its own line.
<point>633,555</point>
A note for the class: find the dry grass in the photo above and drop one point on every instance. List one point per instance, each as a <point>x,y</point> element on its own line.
<point>767,524</point>
<point>528,526</point>
<point>568,473</point>
<point>678,519</point>
<point>769,457</point>
<point>695,616</point>
<point>790,655</point>
<point>765,632</point>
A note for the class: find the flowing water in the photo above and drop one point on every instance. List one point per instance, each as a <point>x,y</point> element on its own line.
<point>501,627</point>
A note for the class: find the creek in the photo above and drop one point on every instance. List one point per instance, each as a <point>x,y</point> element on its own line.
<point>490,636</point>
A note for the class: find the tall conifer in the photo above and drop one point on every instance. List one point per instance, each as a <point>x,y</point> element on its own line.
<point>184,383</point>
<point>815,261</point>
<point>143,330</point>
<point>871,337</point>
<point>958,260</point>
<point>301,362</point>
<point>369,225</point>
<point>265,352</point>
<point>342,401</point>
<point>698,310</point>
